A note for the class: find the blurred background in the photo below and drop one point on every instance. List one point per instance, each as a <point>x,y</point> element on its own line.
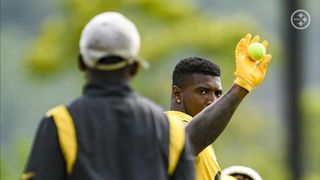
<point>39,50</point>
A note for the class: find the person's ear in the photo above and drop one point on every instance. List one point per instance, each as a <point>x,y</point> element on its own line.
<point>81,65</point>
<point>176,92</point>
<point>133,69</point>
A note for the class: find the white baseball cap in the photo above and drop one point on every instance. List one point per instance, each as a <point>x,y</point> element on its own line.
<point>110,34</point>
<point>242,170</point>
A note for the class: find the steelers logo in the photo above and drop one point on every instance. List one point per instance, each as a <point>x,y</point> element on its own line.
<point>300,19</point>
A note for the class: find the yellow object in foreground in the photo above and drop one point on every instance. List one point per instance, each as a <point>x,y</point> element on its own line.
<point>177,141</point>
<point>66,133</point>
<point>207,167</point>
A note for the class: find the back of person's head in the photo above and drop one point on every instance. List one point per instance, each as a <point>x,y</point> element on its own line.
<point>242,172</point>
<point>108,42</point>
<point>184,70</point>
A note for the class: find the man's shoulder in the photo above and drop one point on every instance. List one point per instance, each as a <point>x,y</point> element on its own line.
<point>146,102</point>
<point>178,115</point>
<point>81,102</point>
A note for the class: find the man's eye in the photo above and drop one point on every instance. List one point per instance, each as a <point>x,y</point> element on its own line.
<point>203,92</point>
<point>218,94</point>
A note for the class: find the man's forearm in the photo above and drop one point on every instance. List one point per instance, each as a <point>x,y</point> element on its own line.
<point>205,127</point>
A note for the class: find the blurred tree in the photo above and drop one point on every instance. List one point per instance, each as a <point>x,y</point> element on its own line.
<point>311,150</point>
<point>253,140</point>
<point>166,26</point>
<point>168,29</point>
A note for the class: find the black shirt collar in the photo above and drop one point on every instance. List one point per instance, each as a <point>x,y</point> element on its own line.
<point>107,87</point>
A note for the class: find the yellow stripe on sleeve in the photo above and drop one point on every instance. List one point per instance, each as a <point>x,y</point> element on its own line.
<point>66,134</point>
<point>176,144</point>
<point>27,175</point>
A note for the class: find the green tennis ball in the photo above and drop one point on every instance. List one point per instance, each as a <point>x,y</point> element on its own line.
<point>256,51</point>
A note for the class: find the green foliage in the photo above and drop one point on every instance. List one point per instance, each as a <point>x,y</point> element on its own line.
<point>253,139</point>
<point>13,161</point>
<point>165,26</point>
<point>311,150</point>
<point>170,30</point>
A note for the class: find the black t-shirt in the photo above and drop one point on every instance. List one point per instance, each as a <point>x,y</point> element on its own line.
<point>120,135</point>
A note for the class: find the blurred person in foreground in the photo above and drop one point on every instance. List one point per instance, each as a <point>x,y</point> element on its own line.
<point>110,132</point>
<point>240,173</point>
<point>197,100</point>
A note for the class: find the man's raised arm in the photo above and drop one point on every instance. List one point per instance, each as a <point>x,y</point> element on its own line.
<point>205,127</point>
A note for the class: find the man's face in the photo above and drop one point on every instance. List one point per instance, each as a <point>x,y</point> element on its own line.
<point>199,92</point>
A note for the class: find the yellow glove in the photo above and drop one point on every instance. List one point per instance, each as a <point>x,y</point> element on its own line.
<point>249,73</point>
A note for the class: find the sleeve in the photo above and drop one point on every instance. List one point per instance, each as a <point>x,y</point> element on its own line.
<point>185,168</point>
<point>46,160</point>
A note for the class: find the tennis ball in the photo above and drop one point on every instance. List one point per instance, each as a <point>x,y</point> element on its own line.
<point>256,51</point>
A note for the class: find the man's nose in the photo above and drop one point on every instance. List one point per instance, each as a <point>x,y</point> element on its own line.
<point>211,99</point>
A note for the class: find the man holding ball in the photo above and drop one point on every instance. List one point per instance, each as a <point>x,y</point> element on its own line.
<point>197,100</point>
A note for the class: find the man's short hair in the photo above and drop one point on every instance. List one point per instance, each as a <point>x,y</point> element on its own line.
<point>184,70</point>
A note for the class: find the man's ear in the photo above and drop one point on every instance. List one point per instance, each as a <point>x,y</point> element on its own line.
<point>81,65</point>
<point>176,92</point>
<point>133,69</point>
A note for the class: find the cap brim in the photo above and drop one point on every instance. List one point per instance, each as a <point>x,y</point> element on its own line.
<point>109,67</point>
<point>143,63</point>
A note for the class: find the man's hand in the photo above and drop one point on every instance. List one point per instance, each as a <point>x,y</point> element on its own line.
<point>249,73</point>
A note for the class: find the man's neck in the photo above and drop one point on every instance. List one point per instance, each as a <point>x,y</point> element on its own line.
<point>177,107</point>
<point>96,75</point>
